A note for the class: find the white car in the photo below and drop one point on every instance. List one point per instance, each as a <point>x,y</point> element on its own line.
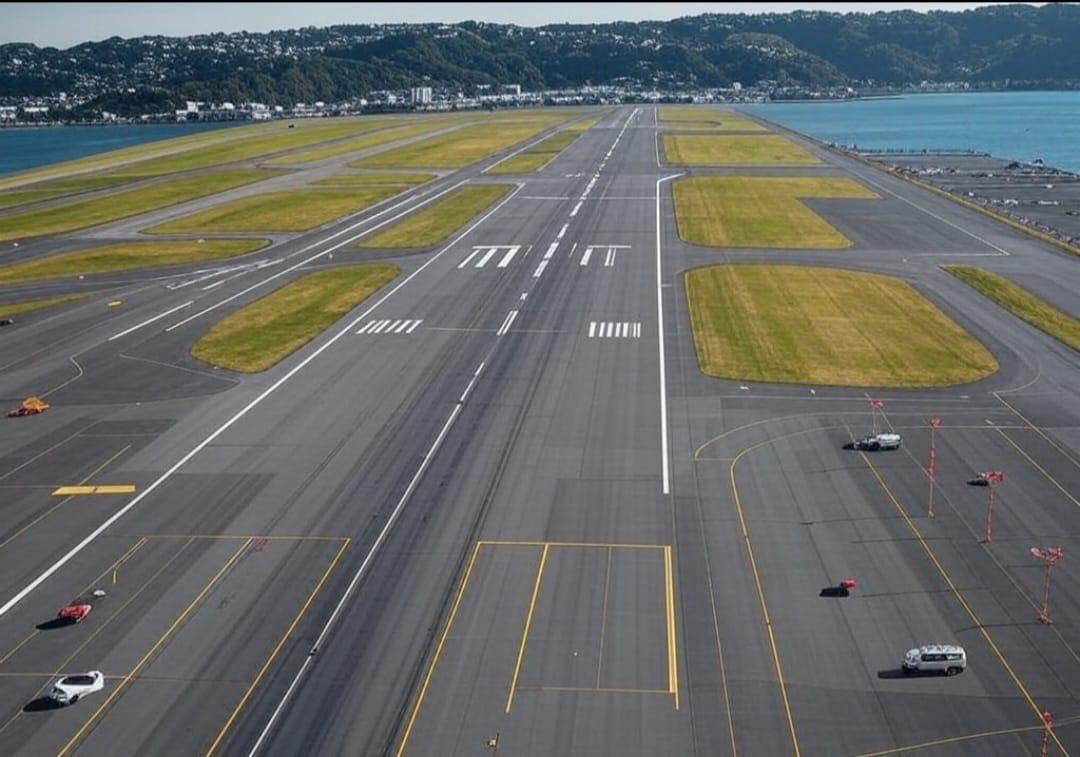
<point>70,689</point>
<point>874,442</point>
<point>949,659</point>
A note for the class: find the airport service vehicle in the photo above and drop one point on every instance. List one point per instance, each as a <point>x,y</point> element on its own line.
<point>949,659</point>
<point>70,689</point>
<point>875,442</point>
<point>29,406</point>
<point>6,321</point>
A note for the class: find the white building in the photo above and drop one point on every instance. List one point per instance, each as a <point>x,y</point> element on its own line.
<point>420,95</point>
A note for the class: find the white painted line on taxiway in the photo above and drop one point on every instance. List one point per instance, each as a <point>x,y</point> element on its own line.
<point>70,554</point>
<point>664,463</point>
<point>147,322</point>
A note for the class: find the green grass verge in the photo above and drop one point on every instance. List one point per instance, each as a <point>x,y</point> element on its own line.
<point>273,327</point>
<point>805,325</point>
<point>277,211</point>
<point>437,221</point>
<point>81,214</point>
<point>539,155</point>
<point>724,150</point>
<point>374,179</point>
<point>361,143</point>
<point>707,118</point>
<point>9,309</point>
<point>456,149</point>
<point>127,256</point>
<point>1021,303</point>
<point>759,211</point>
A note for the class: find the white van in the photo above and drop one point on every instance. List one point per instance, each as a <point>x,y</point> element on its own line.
<point>935,658</point>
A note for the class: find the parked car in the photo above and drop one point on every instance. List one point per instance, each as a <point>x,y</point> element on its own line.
<point>70,689</point>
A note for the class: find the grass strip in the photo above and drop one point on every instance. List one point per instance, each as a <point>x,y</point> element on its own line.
<point>361,143</point>
<point>456,149</point>
<point>734,149</point>
<point>8,309</point>
<point>711,118</point>
<point>760,211</point>
<point>127,256</point>
<point>81,214</point>
<point>277,211</point>
<point>1021,303</point>
<point>541,154</point>
<point>440,219</point>
<point>273,327</point>
<point>374,179</point>
<point>825,326</point>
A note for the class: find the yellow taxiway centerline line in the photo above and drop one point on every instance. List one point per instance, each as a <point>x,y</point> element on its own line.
<point>669,585</point>
<point>67,491</point>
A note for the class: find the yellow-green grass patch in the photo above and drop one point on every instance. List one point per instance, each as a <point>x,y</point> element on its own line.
<point>127,256</point>
<point>11,199</point>
<point>80,214</point>
<point>273,327</point>
<point>734,149</point>
<point>47,190</point>
<point>539,155</point>
<point>374,179</point>
<point>360,143</point>
<point>438,220</point>
<point>277,211</point>
<point>825,326</point>
<point>1021,303</point>
<point>454,150</point>
<point>8,309</point>
<point>710,118</point>
<point>760,211</point>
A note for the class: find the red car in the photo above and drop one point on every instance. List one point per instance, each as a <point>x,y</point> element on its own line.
<point>74,612</point>
<point>77,609</point>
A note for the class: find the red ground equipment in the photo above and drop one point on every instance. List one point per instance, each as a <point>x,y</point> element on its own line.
<point>29,406</point>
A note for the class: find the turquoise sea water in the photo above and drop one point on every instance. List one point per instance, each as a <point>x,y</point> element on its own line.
<point>22,148</point>
<point>1012,125</point>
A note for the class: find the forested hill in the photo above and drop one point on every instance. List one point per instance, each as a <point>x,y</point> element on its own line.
<point>1021,45</point>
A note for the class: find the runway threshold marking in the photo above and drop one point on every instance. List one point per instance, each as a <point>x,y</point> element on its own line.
<point>134,672</point>
<point>67,491</point>
<point>546,546</point>
<point>960,598</point>
<point>277,648</point>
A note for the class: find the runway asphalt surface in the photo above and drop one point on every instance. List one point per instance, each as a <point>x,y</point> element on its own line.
<point>497,509</point>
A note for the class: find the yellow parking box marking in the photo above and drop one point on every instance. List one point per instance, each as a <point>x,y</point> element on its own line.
<point>134,672</point>
<point>68,491</point>
<point>528,623</point>
<point>281,642</point>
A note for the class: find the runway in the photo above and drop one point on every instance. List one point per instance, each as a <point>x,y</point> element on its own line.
<point>497,509</point>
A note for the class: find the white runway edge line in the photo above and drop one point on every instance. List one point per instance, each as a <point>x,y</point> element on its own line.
<point>148,321</point>
<point>244,411</point>
<point>664,464</point>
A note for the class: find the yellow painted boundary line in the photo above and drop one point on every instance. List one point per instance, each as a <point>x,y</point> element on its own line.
<point>273,654</point>
<point>952,740</point>
<point>594,689</point>
<point>669,607</point>
<point>960,597</point>
<point>161,640</point>
<point>528,623</point>
<point>672,687</point>
<point>67,491</point>
<point>761,590</point>
<point>438,650</point>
